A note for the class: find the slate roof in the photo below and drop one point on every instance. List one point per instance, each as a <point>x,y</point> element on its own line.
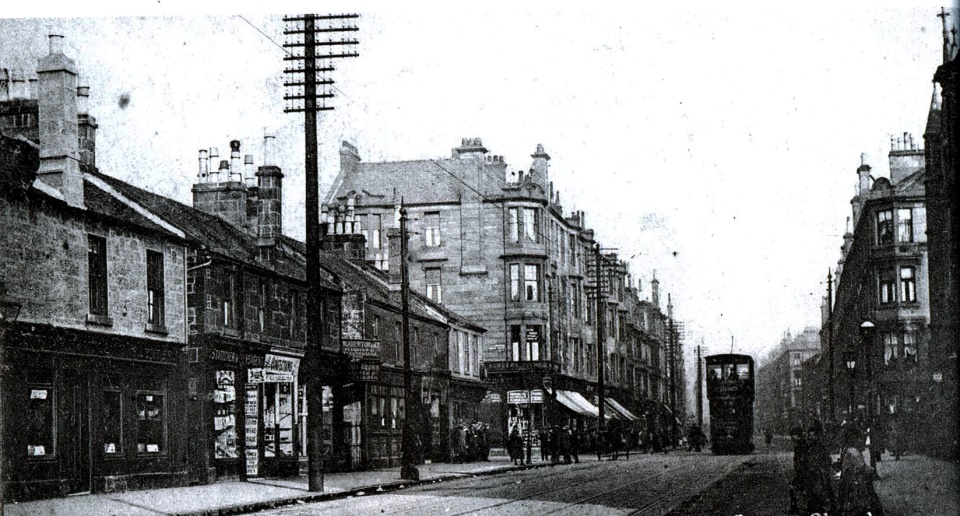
<point>418,181</point>
<point>215,233</point>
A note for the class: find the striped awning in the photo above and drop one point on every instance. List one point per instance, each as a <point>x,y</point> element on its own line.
<point>620,409</point>
<point>577,403</point>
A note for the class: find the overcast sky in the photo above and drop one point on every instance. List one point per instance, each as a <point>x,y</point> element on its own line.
<point>715,146</point>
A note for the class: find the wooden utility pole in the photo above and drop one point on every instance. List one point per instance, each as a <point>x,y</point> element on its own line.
<point>830,354</point>
<point>305,99</point>
<point>699,388</point>
<point>601,338</point>
<point>408,452</point>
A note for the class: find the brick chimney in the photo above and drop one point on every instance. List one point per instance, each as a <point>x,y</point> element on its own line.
<point>270,201</point>
<point>470,148</point>
<point>222,193</point>
<point>541,168</point>
<point>393,236</point>
<point>349,159</point>
<point>57,105</point>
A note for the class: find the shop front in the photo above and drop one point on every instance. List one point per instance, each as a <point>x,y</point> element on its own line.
<point>90,412</point>
<point>253,419</point>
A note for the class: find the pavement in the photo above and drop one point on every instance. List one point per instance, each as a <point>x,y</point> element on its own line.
<point>914,485</point>
<point>236,497</point>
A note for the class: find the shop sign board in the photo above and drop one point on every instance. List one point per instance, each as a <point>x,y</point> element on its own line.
<point>281,365</point>
<point>524,397</point>
<point>359,349</point>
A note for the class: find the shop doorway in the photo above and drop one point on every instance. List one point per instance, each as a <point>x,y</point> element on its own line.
<point>76,431</point>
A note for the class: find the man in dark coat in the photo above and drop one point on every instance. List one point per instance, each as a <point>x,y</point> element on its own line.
<point>515,447</point>
<point>563,442</point>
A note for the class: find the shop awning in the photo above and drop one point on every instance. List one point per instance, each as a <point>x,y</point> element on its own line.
<point>577,403</point>
<point>620,409</point>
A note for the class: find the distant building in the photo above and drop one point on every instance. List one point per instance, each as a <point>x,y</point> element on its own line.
<point>780,389</point>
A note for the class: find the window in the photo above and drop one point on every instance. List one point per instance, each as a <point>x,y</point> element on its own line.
<point>150,422</point>
<point>905,225</point>
<point>375,326</point>
<point>434,288</point>
<point>294,322</point>
<point>262,307</point>
<point>533,338</point>
<point>513,224</point>
<point>891,347</point>
<point>111,417</point>
<point>375,232</point>
<point>431,229</point>
<point>910,346</point>
<point>531,282</point>
<point>155,288</point>
<point>97,274</point>
<point>461,353</point>
<point>887,287</point>
<point>38,427</point>
<point>576,293</point>
<point>884,227</point>
<point>225,414</point>
<point>908,285</point>
<point>229,300</point>
<point>515,343</point>
<point>530,233</point>
<point>573,250</point>
<point>797,378</point>
<point>514,282</point>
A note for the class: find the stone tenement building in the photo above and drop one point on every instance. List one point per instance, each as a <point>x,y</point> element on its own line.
<point>781,391</point>
<point>495,246</point>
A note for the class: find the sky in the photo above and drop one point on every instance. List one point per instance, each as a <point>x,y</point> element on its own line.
<point>715,146</point>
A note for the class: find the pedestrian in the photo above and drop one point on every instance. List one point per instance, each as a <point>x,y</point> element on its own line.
<point>893,438</point>
<point>455,451</point>
<point>797,483</point>
<point>553,437</point>
<point>575,440</point>
<point>856,495</point>
<point>563,444</point>
<point>817,472</point>
<point>515,446</point>
<point>544,445</point>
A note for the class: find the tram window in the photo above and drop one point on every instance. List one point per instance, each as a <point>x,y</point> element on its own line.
<point>713,373</point>
<point>730,372</point>
<point>743,371</point>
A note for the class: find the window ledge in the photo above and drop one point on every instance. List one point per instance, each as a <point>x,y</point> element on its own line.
<point>156,328</point>
<point>467,270</point>
<point>230,332</point>
<point>101,320</point>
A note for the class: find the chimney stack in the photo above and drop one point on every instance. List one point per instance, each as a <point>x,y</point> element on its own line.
<point>59,139</point>
<point>222,195</point>
<point>87,128</point>
<point>18,84</point>
<point>270,201</point>
<point>905,159</point>
<point>655,290</point>
<point>203,175</point>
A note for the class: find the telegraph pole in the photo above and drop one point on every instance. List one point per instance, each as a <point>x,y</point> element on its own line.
<point>699,389</point>
<point>408,468</point>
<point>833,407</point>
<point>601,338</point>
<point>304,98</point>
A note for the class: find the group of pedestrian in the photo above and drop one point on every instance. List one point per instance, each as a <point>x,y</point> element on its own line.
<point>469,443</point>
<point>819,485</point>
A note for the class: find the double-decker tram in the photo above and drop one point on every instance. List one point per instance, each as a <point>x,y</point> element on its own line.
<point>730,392</point>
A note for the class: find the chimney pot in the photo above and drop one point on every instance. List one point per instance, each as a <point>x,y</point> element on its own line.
<point>224,165</point>
<point>214,153</point>
<point>56,43</point>
<point>83,97</point>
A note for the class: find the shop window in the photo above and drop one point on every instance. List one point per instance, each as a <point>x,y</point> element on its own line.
<point>97,274</point>
<point>111,430</point>
<point>905,225</point>
<point>225,416</point>
<point>908,285</point>
<point>150,422</point>
<point>155,291</point>
<point>884,227</point>
<point>39,417</point>
<point>278,419</point>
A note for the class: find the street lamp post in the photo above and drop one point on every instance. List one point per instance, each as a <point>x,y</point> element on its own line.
<point>850,359</point>
<point>867,332</point>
